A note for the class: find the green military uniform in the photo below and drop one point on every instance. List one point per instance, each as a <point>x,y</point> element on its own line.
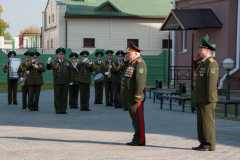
<point>22,73</point>
<point>62,76</point>
<point>74,88</point>
<point>12,83</point>
<point>98,86</point>
<point>206,78</point>
<point>117,75</point>
<point>35,80</point>
<point>85,70</point>
<point>108,81</point>
<point>132,89</point>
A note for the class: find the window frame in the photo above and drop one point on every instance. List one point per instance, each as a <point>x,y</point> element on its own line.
<point>94,46</point>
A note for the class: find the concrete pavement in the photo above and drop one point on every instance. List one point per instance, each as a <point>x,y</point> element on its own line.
<point>103,132</point>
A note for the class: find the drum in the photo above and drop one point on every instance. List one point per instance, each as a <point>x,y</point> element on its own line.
<point>14,63</point>
<point>99,77</point>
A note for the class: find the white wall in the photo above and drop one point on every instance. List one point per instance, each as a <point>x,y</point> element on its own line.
<point>16,42</point>
<point>1,42</point>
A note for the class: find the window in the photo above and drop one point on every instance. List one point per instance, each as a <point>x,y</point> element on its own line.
<point>49,19</point>
<point>184,41</point>
<point>165,43</point>
<point>88,42</point>
<point>53,18</point>
<point>51,43</point>
<point>47,44</point>
<point>134,41</point>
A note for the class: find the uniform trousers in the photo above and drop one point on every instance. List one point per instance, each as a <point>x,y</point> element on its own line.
<point>137,114</point>
<point>73,95</point>
<point>117,88</point>
<point>84,95</point>
<point>98,91</point>
<point>206,124</point>
<point>25,96</point>
<point>34,94</point>
<point>12,90</point>
<point>109,92</point>
<point>60,97</point>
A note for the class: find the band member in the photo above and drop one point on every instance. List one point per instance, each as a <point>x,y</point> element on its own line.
<point>35,80</point>
<point>62,77</point>
<point>206,97</point>
<point>117,75</point>
<point>12,83</point>
<point>133,93</point>
<point>23,76</point>
<point>98,68</point>
<point>85,69</point>
<point>74,88</point>
<point>107,65</point>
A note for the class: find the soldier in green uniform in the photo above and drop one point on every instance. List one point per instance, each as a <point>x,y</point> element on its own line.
<point>85,70</point>
<point>206,96</point>
<point>12,83</point>
<point>133,93</point>
<point>117,75</point>
<point>74,88</point>
<point>98,68</point>
<point>62,77</point>
<point>23,76</point>
<point>108,78</point>
<point>35,80</point>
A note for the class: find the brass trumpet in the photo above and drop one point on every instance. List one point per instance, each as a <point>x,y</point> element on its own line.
<point>33,62</point>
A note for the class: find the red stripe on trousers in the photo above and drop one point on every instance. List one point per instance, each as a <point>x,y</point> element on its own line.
<point>141,123</point>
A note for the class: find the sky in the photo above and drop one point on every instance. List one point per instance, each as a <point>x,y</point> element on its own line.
<point>19,13</point>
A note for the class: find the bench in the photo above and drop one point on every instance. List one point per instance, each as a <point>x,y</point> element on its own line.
<point>182,99</point>
<point>166,89</point>
<point>149,88</point>
<point>186,94</point>
<point>226,102</point>
<point>162,92</point>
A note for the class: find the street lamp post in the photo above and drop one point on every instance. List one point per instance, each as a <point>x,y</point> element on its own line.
<point>227,65</point>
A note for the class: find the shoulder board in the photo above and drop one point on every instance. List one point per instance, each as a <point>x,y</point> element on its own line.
<point>139,60</point>
<point>211,60</point>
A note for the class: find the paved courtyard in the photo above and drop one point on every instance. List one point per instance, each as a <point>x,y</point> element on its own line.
<point>103,132</point>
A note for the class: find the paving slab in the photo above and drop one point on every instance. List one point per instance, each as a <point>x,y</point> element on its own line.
<point>103,132</point>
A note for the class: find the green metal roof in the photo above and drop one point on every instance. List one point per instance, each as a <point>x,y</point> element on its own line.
<point>142,8</point>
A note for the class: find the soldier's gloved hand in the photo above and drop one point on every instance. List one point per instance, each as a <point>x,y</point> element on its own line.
<point>70,84</point>
<point>27,72</point>
<point>49,60</point>
<point>36,66</point>
<point>106,73</point>
<point>21,78</point>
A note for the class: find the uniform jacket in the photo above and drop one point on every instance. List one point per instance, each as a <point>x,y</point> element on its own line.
<point>62,71</point>
<point>21,70</point>
<point>105,69</point>
<point>84,72</point>
<point>133,81</point>
<point>117,74</point>
<point>206,79</point>
<point>75,76</point>
<point>35,75</point>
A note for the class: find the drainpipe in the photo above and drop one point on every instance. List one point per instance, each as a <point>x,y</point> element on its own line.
<point>66,28</point>
<point>237,50</point>
<point>173,47</point>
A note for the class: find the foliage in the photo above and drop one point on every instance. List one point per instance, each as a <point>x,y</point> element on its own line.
<point>3,26</point>
<point>30,29</point>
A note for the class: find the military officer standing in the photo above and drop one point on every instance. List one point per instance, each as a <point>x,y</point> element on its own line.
<point>206,96</point>
<point>117,75</point>
<point>35,80</point>
<point>98,68</point>
<point>107,65</point>
<point>85,69</point>
<point>62,77</point>
<point>133,93</point>
<point>74,88</point>
<point>23,76</point>
<point>12,83</point>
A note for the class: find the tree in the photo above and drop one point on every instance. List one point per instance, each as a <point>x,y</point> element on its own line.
<point>3,26</point>
<point>30,29</point>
